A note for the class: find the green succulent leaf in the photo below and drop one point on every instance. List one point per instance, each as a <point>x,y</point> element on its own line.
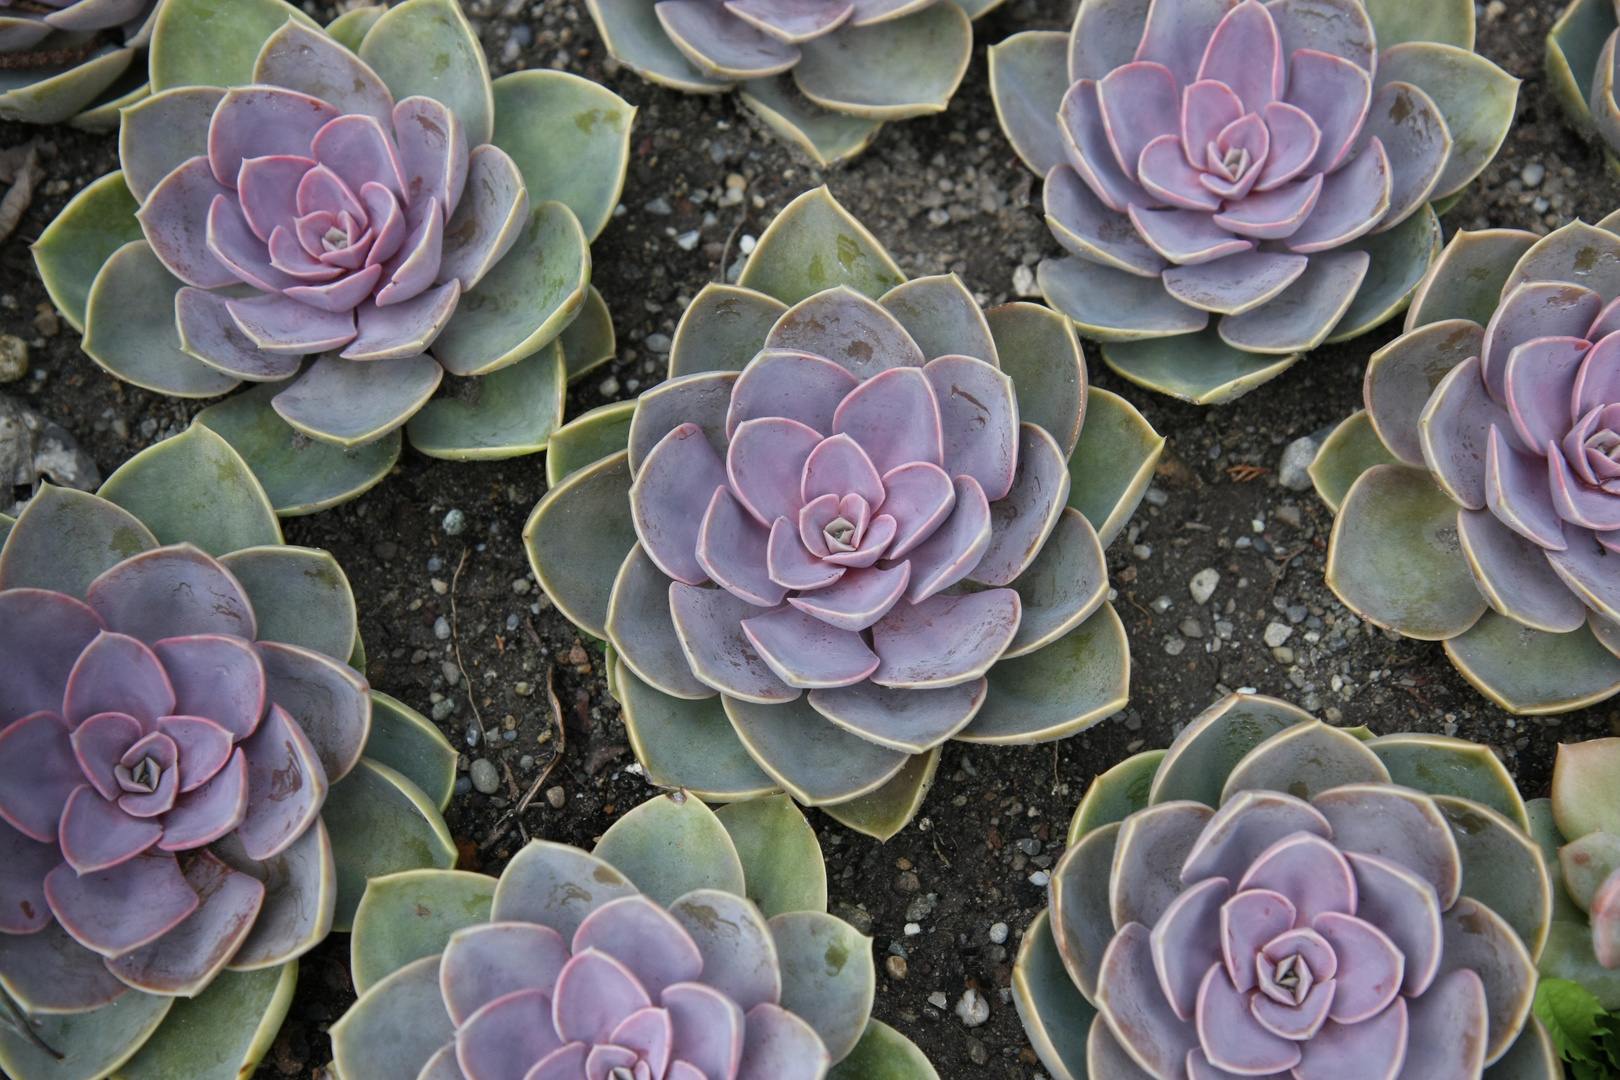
<point>78,242</point>
<point>1533,672</point>
<point>889,70</point>
<point>1079,889</point>
<point>1112,463</point>
<point>1450,22</point>
<point>1208,749</point>
<point>223,1032</point>
<point>814,760</point>
<point>882,813</point>
<point>669,846</point>
<point>1116,794</point>
<point>350,28</point>
<point>1476,98</point>
<point>1531,1057</point>
<point>815,244</point>
<point>300,596</point>
<point>782,865</point>
<point>635,37</point>
<point>578,537</point>
<point>884,1054</point>
<point>1059,689</point>
<point>592,436</point>
<point>407,916</point>
<point>65,539</point>
<point>92,1044</point>
<point>396,1027</point>
<point>54,99</point>
<point>1352,449</point>
<point>1304,760</point>
<point>827,136</point>
<point>828,976</point>
<point>1198,367</point>
<point>1442,766</point>
<point>428,47</point>
<point>722,330</point>
<point>1573,47</point>
<point>570,138</point>
<point>213,42</point>
<point>1029,74</point>
<point>588,342</point>
<point>380,823</point>
<point>1502,867</point>
<point>1039,350</point>
<point>1056,1018</point>
<point>407,742</point>
<point>1466,281</point>
<point>506,413</point>
<point>195,488</point>
<point>1400,258</point>
<point>300,475</point>
<point>942,317</point>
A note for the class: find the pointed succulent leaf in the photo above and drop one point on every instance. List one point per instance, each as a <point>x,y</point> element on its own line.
<point>891,70</point>
<point>883,1054</point>
<point>578,537</point>
<point>92,1044</point>
<point>722,330</point>
<point>828,976</point>
<point>97,222</point>
<point>66,539</point>
<point>1305,760</point>
<point>409,743</point>
<point>557,886</point>
<point>882,813</point>
<point>1532,672</point>
<point>782,865</point>
<point>1476,98</point>
<point>1059,689</point>
<point>381,823</point>
<point>406,916</point>
<point>1574,47</point>
<point>1403,375</point>
<point>300,596</point>
<point>1116,794</point>
<point>828,137</point>
<point>1449,22</point>
<point>1466,281</point>
<point>1198,367</point>
<point>214,42</point>
<point>350,28</point>
<point>1205,753</point>
<point>942,318</point>
<point>1583,797</point>
<point>57,97</point>
<point>597,434</point>
<point>588,341</point>
<point>396,1027</point>
<point>506,413</point>
<point>428,47</point>
<point>1083,924</point>
<point>230,1026</point>
<point>671,845</point>
<point>1441,766</point>
<point>1056,1017</point>
<point>1533,1056</point>
<point>350,403</point>
<point>813,760</point>
<point>1352,449</point>
<point>814,244</point>
<point>1112,463</point>
<point>1029,75</point>
<point>1113,305</point>
<point>195,489</point>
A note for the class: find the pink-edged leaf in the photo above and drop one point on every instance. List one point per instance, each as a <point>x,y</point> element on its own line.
<point>792,20</point>
<point>565,1063</point>
<point>339,296</point>
<point>1514,574</point>
<point>945,640</point>
<point>267,188</point>
<point>1406,908</point>
<point>1295,140</point>
<point>595,994</point>
<point>1272,215</point>
<point>1133,1004</point>
<point>1539,386</point>
<point>117,673</point>
<point>301,58</point>
<point>1447,1028</point>
<point>709,625</point>
<point>1176,34</point>
<point>256,121</point>
<point>1541,309</point>
<point>732,549</point>
<point>920,497</point>
<point>322,192</point>
<point>160,750</point>
<point>1085,138</point>
<point>1309,871</point>
<point>491,960</point>
<point>1021,522</point>
<point>1370,971</point>
<point>905,719</point>
<point>43,632</point>
<point>329,702</point>
<point>286,786</point>
<point>38,772</point>
<point>1455,428</point>
<point>707,1026</point>
<point>46,970</point>
<point>838,466</point>
<point>207,814</point>
<point>794,385</point>
<point>1598,382</point>
<point>1373,1050</point>
<point>505,1038</point>
<point>415,267</point>
<point>1518,489</point>
<point>765,464</point>
<point>1295,1021</point>
<point>97,835</point>
<point>174,220</point>
<point>118,910</point>
<point>804,651</point>
<point>402,330</point>
<point>721,44</point>
<point>216,677</point>
<point>893,417</point>
<point>1139,103</point>
<point>645,938</point>
<point>670,497</point>
<point>204,748</point>
<point>185,959</point>
<point>24,862</point>
<point>1164,172</point>
<point>1207,109</point>
<point>790,565</point>
<point>1246,54</point>
<point>234,245</point>
<point>778,1045</point>
<point>1187,237</point>
<point>859,599</point>
<point>872,547</point>
<point>172,592</point>
<point>1249,920</point>
<point>386,221</point>
<point>647,1035</point>
<point>360,152</point>
<point>979,420</point>
<point>954,549</point>
<point>1186,943</point>
<point>208,332</point>
<point>1231,1036</point>
<point>1234,284</point>
<point>433,152</point>
<point>1587,567</point>
<point>1335,94</point>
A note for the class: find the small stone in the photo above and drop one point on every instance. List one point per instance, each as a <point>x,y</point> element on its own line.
<point>442,710</point>
<point>687,241</point>
<point>441,628</point>
<point>1162,604</point>
<point>1040,879</point>
<point>906,882</point>
<point>1297,613</point>
<point>1023,281</point>
<point>439,586</point>
<point>1277,633</point>
<point>463,785</point>
<point>912,929</point>
<point>998,933</point>
<point>1533,174</point>
<point>1296,458</point>
<point>13,358</point>
<point>1191,627</point>
<point>973,1008</point>
<point>896,967</point>
<point>557,797</point>
<point>451,673</point>
<point>521,586</point>
<point>1175,646</point>
<point>609,387</point>
<point>1203,584</point>
<point>484,776</point>
<point>938,1000</point>
<point>658,343</point>
<point>385,550</point>
<point>1289,513</point>
<point>522,689</point>
<point>1283,654</point>
<point>454,523</point>
<point>978,1053</point>
<point>1155,497</point>
<point>859,918</point>
<point>1143,551</point>
<point>919,909</point>
<point>659,206</point>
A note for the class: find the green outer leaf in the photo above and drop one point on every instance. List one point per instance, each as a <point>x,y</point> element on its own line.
<point>1531,1057</point>
<point>1466,281</point>
<point>577,538</point>
<point>350,28</point>
<point>1544,831</point>
<point>1502,868</point>
<point>1056,1017</point>
<point>1573,47</point>
<point>588,341</point>
<point>1059,689</point>
<point>670,845</point>
<point>782,865</point>
<point>428,47</point>
<point>1203,755</point>
<point>300,475</point>
<point>1448,21</point>
<point>94,1043</point>
<point>1029,74</point>
<point>130,327</point>
<point>213,42</point>
<point>222,1033</point>
<point>380,823</point>
<point>828,137</point>
<point>1400,259</point>
<point>69,539</point>
<point>634,36</point>
<point>1569,955</point>
<point>406,916</point>
<point>1040,352</point>
<point>815,244</point>
<point>882,813</point>
<point>1352,449</point>
<point>71,251</point>
<point>1304,760</point>
<point>1532,672</point>
<point>1442,766</point>
<point>406,741</point>
<point>884,1054</point>
<point>392,1032</point>
<point>722,330</point>
<point>57,97</point>
<point>570,138</point>
<point>525,300</point>
<point>511,412</point>
<point>195,488</point>
<point>1116,794</point>
<point>300,596</point>
<point>1112,463</point>
<point>828,976</point>
<point>357,655</point>
<point>1476,98</point>
<point>889,70</point>
<point>592,436</point>
<point>1199,367</point>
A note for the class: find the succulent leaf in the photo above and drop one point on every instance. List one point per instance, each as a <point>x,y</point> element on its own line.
<point>233,1022</point>
<point>781,858</point>
<point>380,822</point>
<point>406,916</point>
<point>1352,449</point>
<point>195,489</point>
<point>407,742</point>
<point>97,222</point>
<point>882,813</point>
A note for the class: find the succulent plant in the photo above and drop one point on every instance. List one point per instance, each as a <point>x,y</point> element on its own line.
<point>1238,183</point>
<point>901,503</point>
<point>194,782</point>
<point>72,59</point>
<point>824,74</point>
<point>689,945</point>
<point>1581,69</point>
<point>330,218</point>
<point>1476,493</point>
<point>1272,896</point>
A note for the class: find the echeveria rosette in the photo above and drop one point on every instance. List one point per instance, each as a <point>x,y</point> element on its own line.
<point>1275,897</point>
<point>187,804</point>
<point>689,945</point>
<point>72,59</point>
<point>1237,182</point>
<point>1476,494</point>
<point>824,74</point>
<point>1581,69</point>
<point>341,226</point>
<point>861,518</point>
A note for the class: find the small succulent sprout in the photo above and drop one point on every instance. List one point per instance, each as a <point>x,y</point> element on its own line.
<point>319,215</point>
<point>861,518</point>
<point>824,74</point>
<point>1478,494</point>
<point>687,946</point>
<point>1238,183</point>
<point>1579,831</point>
<point>1275,897</point>
<point>1581,69</point>
<point>187,803</point>
<point>73,60</point>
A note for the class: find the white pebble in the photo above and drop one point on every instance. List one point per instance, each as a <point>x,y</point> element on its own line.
<point>998,933</point>
<point>1202,586</point>
<point>973,1008</point>
<point>938,1000</point>
<point>1039,879</point>
<point>912,929</point>
<point>1023,281</point>
<point>1277,633</point>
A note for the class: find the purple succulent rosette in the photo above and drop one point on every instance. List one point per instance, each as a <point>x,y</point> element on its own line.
<point>1479,492</point>
<point>318,214</point>
<point>181,765</point>
<point>1238,183</point>
<point>1579,831</point>
<point>857,521</point>
<point>823,74</point>
<point>72,59</point>
<point>1275,897</point>
<point>687,946</point>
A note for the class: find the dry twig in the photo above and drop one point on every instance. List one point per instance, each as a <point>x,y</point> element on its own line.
<point>455,641</point>
<point>21,193</point>
<point>516,814</point>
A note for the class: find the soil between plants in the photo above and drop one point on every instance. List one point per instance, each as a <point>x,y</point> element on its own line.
<point>944,194</point>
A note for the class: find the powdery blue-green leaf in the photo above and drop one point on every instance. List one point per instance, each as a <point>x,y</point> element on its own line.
<point>591,436</point>
<point>71,251</point>
<point>882,813</point>
<point>195,488</point>
<point>1198,367</point>
<point>577,538</point>
<point>722,330</point>
<point>1573,47</point>
<point>782,865</point>
<point>350,28</point>
<point>1204,754</point>
<point>300,475</point>
<point>815,761</point>
<point>92,1044</point>
<point>1038,349</point>
<point>407,742</point>
<point>1400,258</point>
<point>67,539</point>
<point>410,915</point>
<point>507,413</point>
<point>815,244</point>
<point>943,318</point>
<point>300,596</point>
<point>1059,689</point>
<point>1531,1057</point>
<point>635,37</point>
<point>213,42</point>
<point>222,1033</point>
<point>1442,766</point>
<point>1352,449</point>
<point>1502,867</point>
<point>884,1054</point>
<point>1476,98</point>
<point>686,743</point>
<point>1450,22</point>
<point>671,845</point>
<point>1304,760</point>
<point>890,70</point>
<point>428,47</point>
<point>1056,1017</point>
<point>1116,794</point>
<point>570,138</point>
<point>57,97</point>
<point>1466,281</point>
<point>1029,74</point>
<point>396,1027</point>
<point>380,823</point>
<point>828,977</point>
<point>827,136</point>
<point>1533,672</point>
<point>1112,463</point>
<point>588,342</point>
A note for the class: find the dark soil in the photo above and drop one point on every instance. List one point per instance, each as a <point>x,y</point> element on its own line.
<point>944,194</point>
